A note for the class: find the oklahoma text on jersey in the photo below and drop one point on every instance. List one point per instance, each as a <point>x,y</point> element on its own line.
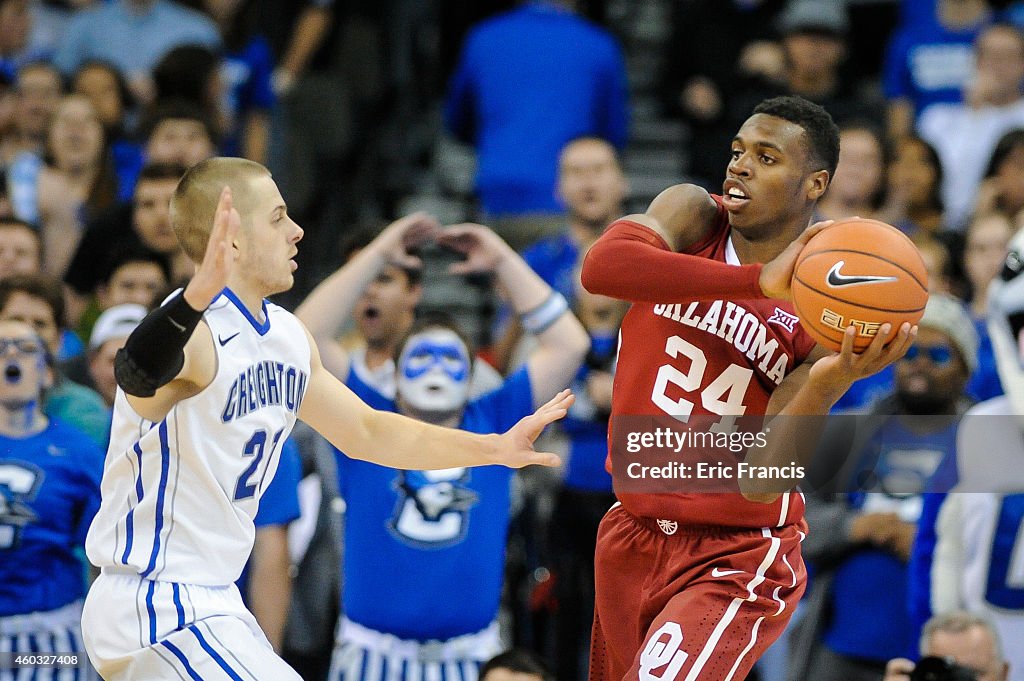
<point>264,384</point>
<point>735,325</point>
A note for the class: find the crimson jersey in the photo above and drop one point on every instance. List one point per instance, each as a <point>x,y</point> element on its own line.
<point>720,357</point>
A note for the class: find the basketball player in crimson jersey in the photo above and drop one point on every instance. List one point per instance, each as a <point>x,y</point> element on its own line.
<point>697,586</point>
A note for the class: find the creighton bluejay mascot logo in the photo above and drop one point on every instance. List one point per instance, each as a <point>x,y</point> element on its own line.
<point>18,485</point>
<point>433,507</point>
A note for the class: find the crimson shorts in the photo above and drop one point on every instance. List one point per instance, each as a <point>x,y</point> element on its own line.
<point>685,603</point>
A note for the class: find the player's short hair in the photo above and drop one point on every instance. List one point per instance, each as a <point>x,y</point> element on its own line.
<point>516,660</point>
<point>195,199</point>
<point>957,622</point>
<point>41,286</point>
<point>821,132</point>
<point>435,320</point>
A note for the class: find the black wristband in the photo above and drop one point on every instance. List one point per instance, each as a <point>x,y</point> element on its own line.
<point>154,352</point>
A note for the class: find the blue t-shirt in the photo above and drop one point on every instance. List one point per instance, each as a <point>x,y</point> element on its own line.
<point>425,550</point>
<point>928,63</point>
<point>49,493</point>
<point>519,107</point>
<point>870,618</point>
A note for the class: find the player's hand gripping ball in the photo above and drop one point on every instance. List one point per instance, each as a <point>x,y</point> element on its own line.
<point>862,273</point>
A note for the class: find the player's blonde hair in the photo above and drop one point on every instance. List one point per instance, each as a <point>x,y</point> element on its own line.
<point>195,199</point>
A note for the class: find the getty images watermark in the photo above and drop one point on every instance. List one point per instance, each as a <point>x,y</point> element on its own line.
<point>666,439</point>
<point>701,454</point>
<point>896,456</point>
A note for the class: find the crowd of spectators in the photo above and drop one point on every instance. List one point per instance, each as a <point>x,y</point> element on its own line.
<point>105,103</point>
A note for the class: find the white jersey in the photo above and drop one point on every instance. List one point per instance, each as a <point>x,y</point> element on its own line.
<point>979,555</point>
<point>179,496</point>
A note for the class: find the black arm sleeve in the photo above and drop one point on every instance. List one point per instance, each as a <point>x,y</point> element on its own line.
<point>154,352</point>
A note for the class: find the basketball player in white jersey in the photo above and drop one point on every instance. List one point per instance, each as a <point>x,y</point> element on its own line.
<point>210,385</point>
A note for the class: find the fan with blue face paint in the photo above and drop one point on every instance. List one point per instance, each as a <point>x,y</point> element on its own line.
<point>433,371</point>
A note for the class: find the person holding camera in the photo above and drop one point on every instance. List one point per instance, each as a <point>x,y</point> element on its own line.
<point>956,646</point>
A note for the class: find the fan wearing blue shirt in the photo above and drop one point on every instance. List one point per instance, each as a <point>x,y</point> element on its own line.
<point>422,603</point>
<point>929,58</point>
<point>527,82</point>
<point>49,492</point>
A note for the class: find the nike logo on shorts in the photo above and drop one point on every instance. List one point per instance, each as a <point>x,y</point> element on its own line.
<point>836,280</point>
<point>719,572</point>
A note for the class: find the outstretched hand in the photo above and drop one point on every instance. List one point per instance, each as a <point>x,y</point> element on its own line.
<point>212,273</point>
<point>482,247</point>
<point>777,276</point>
<point>515,448</point>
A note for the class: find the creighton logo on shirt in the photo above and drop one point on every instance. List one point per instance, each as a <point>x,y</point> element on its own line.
<point>19,484</point>
<point>433,507</point>
<point>265,384</point>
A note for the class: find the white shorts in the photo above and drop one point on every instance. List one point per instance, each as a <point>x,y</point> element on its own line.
<point>41,634</point>
<point>138,629</point>
<point>363,654</point>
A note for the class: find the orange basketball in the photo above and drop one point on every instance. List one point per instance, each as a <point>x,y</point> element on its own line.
<point>862,273</point>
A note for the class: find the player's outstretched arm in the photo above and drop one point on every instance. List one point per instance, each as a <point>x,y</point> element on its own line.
<point>170,356</point>
<point>562,340</point>
<point>639,258</point>
<point>397,441</point>
<point>327,309</point>
<point>810,391</point>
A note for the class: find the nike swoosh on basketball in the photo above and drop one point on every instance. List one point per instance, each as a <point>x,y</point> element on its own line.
<point>836,279</point>
<point>225,341</point>
<point>719,572</point>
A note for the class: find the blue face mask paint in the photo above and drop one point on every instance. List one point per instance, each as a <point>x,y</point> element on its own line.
<point>426,355</point>
<point>433,371</point>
